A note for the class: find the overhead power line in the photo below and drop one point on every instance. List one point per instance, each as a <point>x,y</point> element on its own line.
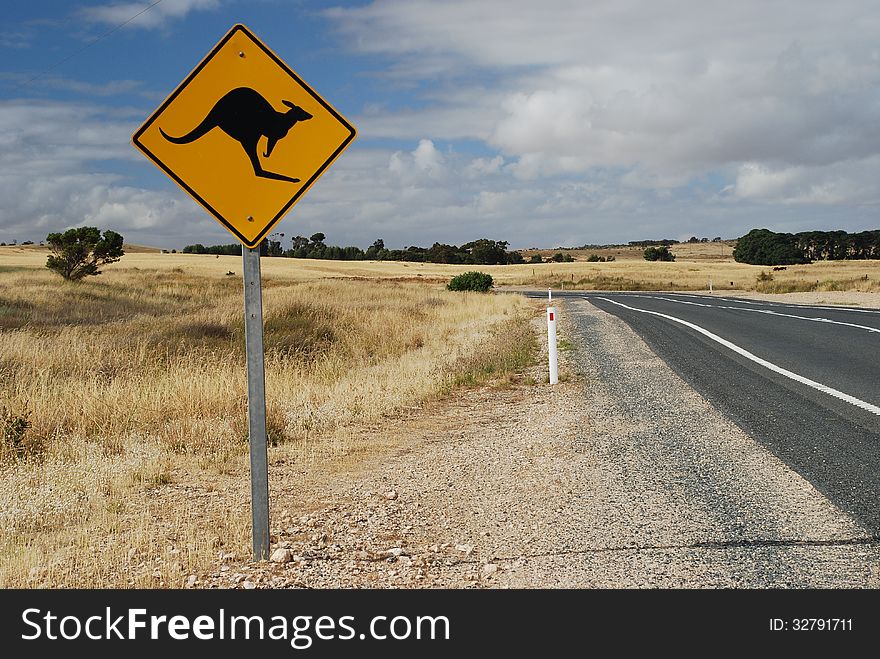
<point>88,45</point>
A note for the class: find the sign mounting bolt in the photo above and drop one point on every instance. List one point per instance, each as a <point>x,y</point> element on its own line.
<point>250,218</point>
<point>241,53</point>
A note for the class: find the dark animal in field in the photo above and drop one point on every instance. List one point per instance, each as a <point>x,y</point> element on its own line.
<point>246,116</point>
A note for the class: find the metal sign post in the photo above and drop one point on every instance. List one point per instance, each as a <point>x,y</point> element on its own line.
<point>246,137</point>
<point>253,330</point>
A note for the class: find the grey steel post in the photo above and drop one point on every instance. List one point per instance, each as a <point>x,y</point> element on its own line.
<point>253,330</point>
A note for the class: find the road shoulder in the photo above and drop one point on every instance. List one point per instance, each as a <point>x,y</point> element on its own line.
<point>620,476</point>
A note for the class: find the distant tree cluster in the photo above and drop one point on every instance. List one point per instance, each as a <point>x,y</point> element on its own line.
<point>559,257</point>
<point>765,247</point>
<point>477,252</point>
<point>660,253</point>
<point>594,246</point>
<point>694,239</point>
<point>227,250</point>
<point>666,242</point>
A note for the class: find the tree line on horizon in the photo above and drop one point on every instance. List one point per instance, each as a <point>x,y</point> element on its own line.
<point>766,247</point>
<point>478,252</point>
<point>757,247</point>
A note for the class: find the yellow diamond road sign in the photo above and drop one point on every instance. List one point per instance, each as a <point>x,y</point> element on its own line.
<point>244,135</point>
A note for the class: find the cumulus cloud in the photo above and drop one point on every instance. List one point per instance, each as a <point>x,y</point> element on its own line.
<point>661,92</point>
<point>852,181</point>
<point>49,182</point>
<point>425,161</point>
<point>154,17</point>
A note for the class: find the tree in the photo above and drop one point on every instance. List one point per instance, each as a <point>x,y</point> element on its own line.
<point>78,253</point>
<point>376,250</point>
<point>441,253</point>
<point>661,253</point>
<point>765,247</point>
<point>486,252</point>
<point>515,258</point>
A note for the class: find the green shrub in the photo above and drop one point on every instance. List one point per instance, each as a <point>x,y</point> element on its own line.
<point>471,281</point>
<point>14,426</point>
<point>661,253</point>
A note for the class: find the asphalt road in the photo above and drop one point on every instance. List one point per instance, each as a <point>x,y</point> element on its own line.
<point>802,380</point>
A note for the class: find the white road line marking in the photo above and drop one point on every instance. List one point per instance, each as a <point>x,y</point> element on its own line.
<point>780,304</point>
<point>764,311</point>
<point>852,400</point>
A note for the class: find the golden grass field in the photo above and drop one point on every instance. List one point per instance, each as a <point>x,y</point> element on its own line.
<point>129,385</point>
<point>134,381</point>
<point>695,265</point>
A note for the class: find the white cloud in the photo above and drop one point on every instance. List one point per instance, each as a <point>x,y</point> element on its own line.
<point>154,17</point>
<point>662,93</point>
<point>851,181</point>
<point>48,181</point>
<point>423,163</point>
<point>427,158</point>
<point>480,167</point>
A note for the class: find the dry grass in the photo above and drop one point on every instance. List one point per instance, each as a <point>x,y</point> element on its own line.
<point>719,251</point>
<point>123,401</point>
<point>696,264</point>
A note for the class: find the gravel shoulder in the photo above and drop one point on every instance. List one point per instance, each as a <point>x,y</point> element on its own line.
<point>620,476</point>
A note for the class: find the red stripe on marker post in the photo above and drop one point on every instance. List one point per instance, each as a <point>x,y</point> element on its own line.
<point>551,344</point>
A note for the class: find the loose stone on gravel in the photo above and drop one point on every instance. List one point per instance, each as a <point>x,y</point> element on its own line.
<point>281,555</point>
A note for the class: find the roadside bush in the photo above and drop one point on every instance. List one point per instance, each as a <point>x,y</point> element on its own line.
<point>471,281</point>
<point>14,426</point>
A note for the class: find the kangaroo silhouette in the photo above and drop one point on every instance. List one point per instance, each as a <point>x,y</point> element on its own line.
<point>246,116</point>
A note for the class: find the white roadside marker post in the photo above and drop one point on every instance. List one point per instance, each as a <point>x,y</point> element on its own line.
<point>551,340</point>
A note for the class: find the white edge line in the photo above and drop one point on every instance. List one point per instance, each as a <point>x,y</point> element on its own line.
<point>776,303</point>
<point>852,400</point>
<point>764,311</point>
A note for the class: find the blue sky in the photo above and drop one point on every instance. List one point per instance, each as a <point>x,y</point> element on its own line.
<point>544,124</point>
